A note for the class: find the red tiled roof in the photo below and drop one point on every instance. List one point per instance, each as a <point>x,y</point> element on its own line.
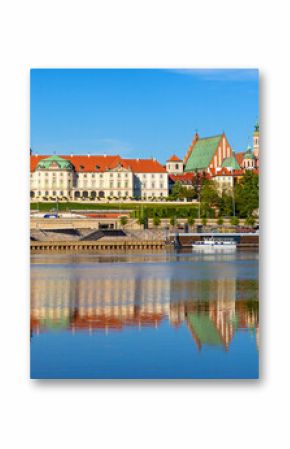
<point>174,158</point>
<point>223,172</point>
<point>239,157</point>
<point>185,177</point>
<point>239,172</point>
<point>145,165</point>
<point>90,163</point>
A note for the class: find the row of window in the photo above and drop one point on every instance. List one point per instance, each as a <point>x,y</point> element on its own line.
<point>85,194</point>
<point>101,175</point>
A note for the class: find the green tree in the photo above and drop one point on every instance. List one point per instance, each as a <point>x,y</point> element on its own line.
<point>179,192</point>
<point>156,221</point>
<point>247,194</point>
<point>204,221</point>
<point>209,197</point>
<point>226,205</point>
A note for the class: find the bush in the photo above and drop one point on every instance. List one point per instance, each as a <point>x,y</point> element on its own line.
<point>190,221</point>
<point>156,221</point>
<point>235,221</point>
<point>172,221</point>
<point>220,221</point>
<point>204,221</point>
<point>250,221</point>
<point>123,220</point>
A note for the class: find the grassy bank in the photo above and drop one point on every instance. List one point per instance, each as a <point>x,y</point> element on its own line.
<point>138,209</point>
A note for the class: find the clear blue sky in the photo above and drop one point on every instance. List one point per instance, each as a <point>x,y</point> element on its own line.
<point>140,113</point>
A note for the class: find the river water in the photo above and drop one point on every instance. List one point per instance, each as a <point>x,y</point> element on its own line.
<point>145,316</point>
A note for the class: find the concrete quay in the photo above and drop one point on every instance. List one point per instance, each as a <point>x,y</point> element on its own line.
<point>81,246</point>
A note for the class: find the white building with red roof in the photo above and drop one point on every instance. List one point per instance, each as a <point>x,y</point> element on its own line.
<point>91,177</point>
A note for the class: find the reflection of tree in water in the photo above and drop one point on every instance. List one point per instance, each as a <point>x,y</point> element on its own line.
<point>212,314</point>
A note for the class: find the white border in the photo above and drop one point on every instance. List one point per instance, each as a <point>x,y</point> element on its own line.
<point>144,34</point>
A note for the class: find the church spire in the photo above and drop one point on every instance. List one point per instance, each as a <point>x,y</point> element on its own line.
<point>256,139</point>
<point>257,127</point>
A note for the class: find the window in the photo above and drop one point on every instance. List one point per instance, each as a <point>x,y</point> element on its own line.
<point>119,194</point>
<point>118,184</point>
<point>126,193</point>
<point>93,175</point>
<point>126,184</point>
<point>111,175</point>
<point>153,185</point>
<point>119,175</point>
<point>111,184</point>
<point>85,175</point>
<point>161,185</point>
<point>111,194</point>
<point>101,175</point>
<point>177,166</point>
<point>126,175</point>
<point>152,176</point>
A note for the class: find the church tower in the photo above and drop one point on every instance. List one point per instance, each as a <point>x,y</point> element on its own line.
<point>256,140</point>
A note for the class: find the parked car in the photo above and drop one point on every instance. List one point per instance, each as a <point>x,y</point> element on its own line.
<point>50,216</point>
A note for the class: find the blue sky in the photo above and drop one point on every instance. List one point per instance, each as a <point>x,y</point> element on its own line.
<point>140,113</point>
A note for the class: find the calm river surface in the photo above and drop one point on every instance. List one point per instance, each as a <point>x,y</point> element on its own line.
<point>161,315</point>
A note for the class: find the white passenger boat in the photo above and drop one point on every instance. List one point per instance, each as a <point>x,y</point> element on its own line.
<point>214,245</point>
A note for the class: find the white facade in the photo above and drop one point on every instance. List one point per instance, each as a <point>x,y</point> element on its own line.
<point>52,180</point>
<point>151,185</point>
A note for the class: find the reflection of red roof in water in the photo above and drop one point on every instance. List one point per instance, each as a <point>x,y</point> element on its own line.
<point>105,321</point>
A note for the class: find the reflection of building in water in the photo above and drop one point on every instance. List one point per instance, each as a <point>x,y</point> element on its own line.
<point>102,303</point>
<point>88,304</point>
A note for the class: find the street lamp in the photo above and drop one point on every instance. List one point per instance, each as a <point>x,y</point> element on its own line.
<point>199,205</point>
